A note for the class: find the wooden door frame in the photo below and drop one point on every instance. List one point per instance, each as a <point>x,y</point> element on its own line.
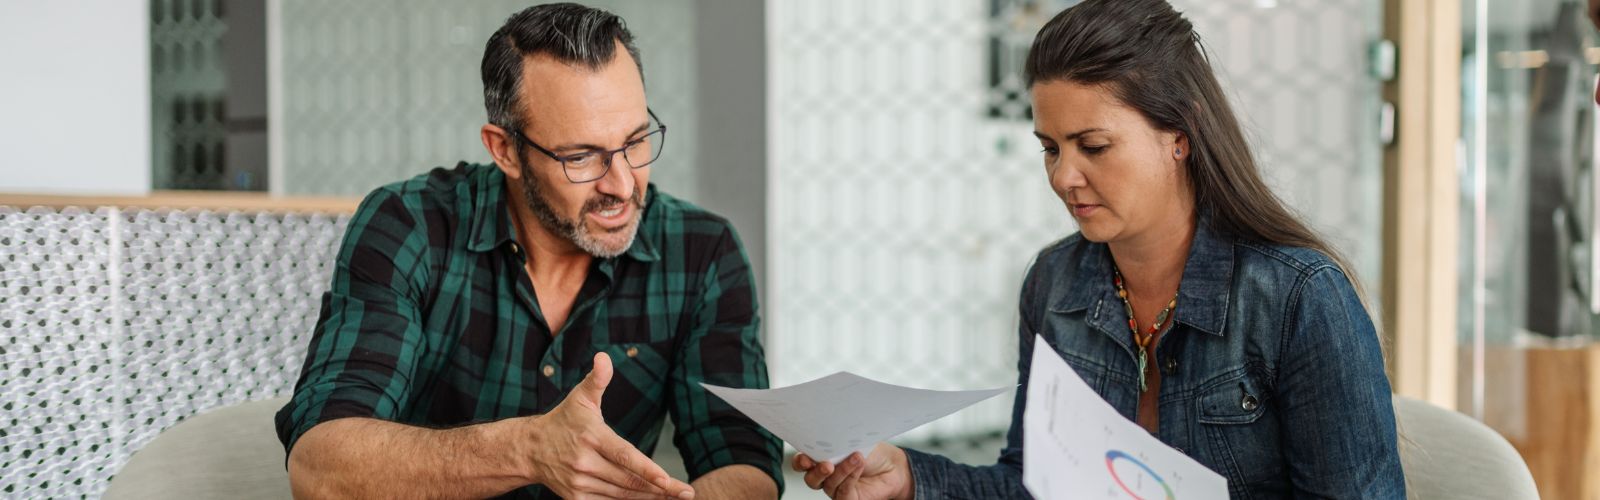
<point>1421,199</point>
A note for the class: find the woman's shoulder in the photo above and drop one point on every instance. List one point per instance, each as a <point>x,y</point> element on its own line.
<point>1290,272</point>
<point>1062,250</point>
<point>1061,258</point>
<point>1283,259</point>
<point>1056,263</point>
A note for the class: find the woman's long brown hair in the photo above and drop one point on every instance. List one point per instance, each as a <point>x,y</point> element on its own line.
<point>1152,60</point>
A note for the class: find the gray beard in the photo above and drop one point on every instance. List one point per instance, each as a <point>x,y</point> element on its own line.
<point>575,230</point>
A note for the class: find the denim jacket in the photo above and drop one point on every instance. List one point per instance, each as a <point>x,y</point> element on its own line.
<point>1272,375</point>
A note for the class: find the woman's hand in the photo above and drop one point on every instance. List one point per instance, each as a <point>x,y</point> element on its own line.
<point>882,474</point>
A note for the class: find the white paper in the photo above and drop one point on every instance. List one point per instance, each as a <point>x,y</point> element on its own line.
<point>830,417</point>
<point>1078,446</point>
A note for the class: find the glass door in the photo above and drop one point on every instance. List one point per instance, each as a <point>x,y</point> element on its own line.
<point>1528,293</point>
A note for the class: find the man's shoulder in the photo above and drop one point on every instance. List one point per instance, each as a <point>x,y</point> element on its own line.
<point>671,214</point>
<point>439,188</point>
<point>439,209</point>
<point>675,227</point>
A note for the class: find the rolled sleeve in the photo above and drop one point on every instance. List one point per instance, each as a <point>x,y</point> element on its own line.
<point>723,348</point>
<point>362,358</point>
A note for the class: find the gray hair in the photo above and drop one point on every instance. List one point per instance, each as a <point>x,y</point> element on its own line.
<point>570,32</point>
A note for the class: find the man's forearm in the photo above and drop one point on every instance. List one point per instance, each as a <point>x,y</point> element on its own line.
<point>370,458</point>
<point>735,482</point>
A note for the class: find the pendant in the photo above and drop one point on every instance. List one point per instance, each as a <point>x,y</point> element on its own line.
<point>1142,387</point>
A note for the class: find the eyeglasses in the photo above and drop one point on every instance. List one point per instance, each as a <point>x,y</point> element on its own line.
<point>591,165</point>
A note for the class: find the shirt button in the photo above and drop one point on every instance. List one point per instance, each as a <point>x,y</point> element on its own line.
<point>1170,366</point>
<point>1249,403</point>
<point>633,352</point>
<point>515,248</point>
<point>549,370</point>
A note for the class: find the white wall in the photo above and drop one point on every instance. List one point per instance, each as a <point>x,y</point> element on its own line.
<point>74,98</point>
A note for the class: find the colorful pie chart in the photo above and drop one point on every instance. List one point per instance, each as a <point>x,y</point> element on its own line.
<point>1112,456</point>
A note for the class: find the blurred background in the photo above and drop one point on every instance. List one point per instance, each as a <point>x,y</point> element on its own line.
<point>180,172</point>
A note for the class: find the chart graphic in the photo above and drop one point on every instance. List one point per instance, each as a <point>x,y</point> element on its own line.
<point>1112,458</point>
<point>1079,447</point>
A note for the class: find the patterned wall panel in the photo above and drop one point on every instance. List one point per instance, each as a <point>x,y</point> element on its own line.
<point>188,86</point>
<point>209,296</point>
<point>903,215</point>
<point>1296,72</point>
<point>908,197</point>
<point>59,419</point>
<point>117,325</point>
<point>378,91</point>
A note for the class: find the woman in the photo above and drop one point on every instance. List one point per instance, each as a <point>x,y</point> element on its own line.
<point>1249,348</point>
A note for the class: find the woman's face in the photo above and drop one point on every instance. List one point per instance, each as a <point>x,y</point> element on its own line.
<point>1120,177</point>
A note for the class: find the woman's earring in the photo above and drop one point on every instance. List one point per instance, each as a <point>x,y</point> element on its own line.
<point>1178,152</point>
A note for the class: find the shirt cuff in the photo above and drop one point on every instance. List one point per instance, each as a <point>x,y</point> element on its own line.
<point>927,475</point>
<point>739,446</point>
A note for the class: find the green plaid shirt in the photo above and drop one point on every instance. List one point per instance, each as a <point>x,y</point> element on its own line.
<point>432,321</point>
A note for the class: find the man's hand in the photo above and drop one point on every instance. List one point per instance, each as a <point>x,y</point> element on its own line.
<point>576,455</point>
<point>882,474</point>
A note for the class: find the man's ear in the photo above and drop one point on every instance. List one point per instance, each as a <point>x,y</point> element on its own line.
<point>502,148</point>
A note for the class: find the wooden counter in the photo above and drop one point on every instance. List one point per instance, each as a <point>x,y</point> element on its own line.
<point>211,200</point>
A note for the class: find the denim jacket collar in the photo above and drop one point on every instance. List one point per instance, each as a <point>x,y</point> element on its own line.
<point>1202,293</point>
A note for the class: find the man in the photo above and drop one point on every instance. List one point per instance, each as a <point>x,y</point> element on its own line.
<point>523,328</point>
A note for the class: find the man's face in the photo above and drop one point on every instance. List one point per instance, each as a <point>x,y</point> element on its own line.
<point>570,110</point>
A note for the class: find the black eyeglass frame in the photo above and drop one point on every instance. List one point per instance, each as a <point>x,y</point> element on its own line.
<point>607,157</point>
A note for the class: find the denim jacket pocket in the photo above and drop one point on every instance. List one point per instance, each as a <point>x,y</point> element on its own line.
<point>1235,400</point>
<point>1244,446</point>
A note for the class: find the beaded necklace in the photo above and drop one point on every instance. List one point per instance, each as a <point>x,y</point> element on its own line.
<point>1142,339</point>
